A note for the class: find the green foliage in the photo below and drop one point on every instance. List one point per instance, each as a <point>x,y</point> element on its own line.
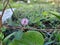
<point>32,12</point>
<point>1,7</point>
<point>29,38</point>
<point>7,38</point>
<point>35,13</point>
<point>18,35</point>
<point>55,14</point>
<point>35,1</point>
<point>57,36</point>
<point>38,16</point>
<point>3,28</point>
<point>16,5</point>
<point>1,36</point>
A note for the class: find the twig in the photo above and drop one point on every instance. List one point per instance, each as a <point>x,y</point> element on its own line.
<point>5,7</point>
<point>30,28</point>
<point>3,13</point>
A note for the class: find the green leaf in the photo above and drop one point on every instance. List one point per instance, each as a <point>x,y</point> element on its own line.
<point>6,38</point>
<point>55,14</point>
<point>3,28</point>
<point>29,38</point>
<point>1,35</point>
<point>57,36</point>
<point>45,13</point>
<point>18,34</point>
<point>37,19</point>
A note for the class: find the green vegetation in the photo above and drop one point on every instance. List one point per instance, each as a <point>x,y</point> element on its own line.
<point>33,23</point>
<point>30,38</point>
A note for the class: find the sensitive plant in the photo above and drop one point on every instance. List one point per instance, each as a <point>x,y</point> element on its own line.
<point>38,15</point>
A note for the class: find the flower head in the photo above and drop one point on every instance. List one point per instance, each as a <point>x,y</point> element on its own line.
<point>24,21</point>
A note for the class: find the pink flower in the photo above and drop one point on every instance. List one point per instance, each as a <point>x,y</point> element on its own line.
<point>24,21</point>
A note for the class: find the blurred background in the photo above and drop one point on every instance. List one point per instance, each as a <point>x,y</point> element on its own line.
<point>37,11</point>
